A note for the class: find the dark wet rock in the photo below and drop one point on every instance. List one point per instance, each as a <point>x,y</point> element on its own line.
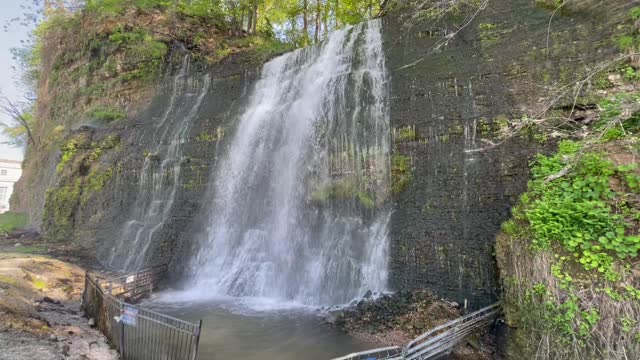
<point>367,295</point>
<point>50,300</point>
<point>65,349</point>
<point>394,319</point>
<point>335,318</point>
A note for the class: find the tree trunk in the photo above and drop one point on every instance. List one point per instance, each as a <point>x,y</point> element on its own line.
<point>293,30</point>
<point>249,21</point>
<point>255,16</point>
<point>316,38</point>
<point>240,25</point>
<point>325,19</point>
<point>305,22</point>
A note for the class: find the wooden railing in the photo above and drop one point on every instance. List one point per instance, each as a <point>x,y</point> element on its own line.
<point>136,332</point>
<point>437,341</point>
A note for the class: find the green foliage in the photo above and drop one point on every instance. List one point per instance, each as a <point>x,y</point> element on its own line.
<point>97,180</point>
<point>69,150</point>
<point>16,132</point>
<point>574,211</point>
<point>631,74</point>
<point>631,178</point>
<point>105,114</point>
<point>208,10</point>
<point>144,55</point>
<point>614,133</point>
<point>117,7</point>
<point>59,211</point>
<point>11,220</point>
<point>625,42</point>
<point>400,172</point>
<point>612,109</point>
<point>263,47</point>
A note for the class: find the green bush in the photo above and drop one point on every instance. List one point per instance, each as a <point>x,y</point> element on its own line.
<point>574,211</point>
<point>209,10</point>
<point>116,7</point>
<point>106,114</point>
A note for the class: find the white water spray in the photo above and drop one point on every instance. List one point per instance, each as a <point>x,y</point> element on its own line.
<point>160,173</point>
<point>299,204</point>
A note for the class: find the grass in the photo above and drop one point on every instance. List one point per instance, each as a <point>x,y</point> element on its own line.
<point>105,114</point>
<point>34,249</point>
<point>39,284</point>
<point>8,280</point>
<point>10,221</point>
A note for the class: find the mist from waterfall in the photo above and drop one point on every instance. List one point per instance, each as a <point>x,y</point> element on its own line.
<point>299,205</point>
<point>159,177</point>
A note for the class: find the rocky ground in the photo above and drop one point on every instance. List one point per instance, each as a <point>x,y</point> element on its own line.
<point>40,314</point>
<point>398,318</point>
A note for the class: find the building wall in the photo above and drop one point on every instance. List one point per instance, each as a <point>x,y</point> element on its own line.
<point>10,172</point>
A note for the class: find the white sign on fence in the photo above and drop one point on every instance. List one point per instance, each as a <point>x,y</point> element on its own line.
<point>131,279</point>
<point>129,315</point>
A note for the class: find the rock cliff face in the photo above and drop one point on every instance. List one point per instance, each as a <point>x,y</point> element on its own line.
<point>451,95</point>
<point>457,83</point>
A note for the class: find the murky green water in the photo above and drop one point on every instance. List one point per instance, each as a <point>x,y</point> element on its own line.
<point>252,329</point>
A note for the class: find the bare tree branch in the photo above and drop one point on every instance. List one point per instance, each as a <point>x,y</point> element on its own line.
<point>10,109</point>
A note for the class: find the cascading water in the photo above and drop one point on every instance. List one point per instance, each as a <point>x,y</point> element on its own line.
<point>298,207</point>
<point>160,173</point>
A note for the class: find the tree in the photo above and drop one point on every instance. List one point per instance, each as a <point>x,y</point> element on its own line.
<point>23,118</point>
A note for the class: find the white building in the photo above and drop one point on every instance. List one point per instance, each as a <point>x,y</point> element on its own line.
<point>10,171</point>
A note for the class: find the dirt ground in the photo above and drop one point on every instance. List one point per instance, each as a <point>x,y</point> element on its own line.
<point>40,313</point>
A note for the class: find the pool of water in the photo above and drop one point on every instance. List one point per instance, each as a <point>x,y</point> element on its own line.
<point>258,329</point>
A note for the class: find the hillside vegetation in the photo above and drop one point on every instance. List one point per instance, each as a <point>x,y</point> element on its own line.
<point>95,63</point>
<point>568,258</point>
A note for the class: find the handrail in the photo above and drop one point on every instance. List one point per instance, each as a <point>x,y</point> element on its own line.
<point>438,340</point>
<point>424,349</point>
<point>453,322</point>
<point>370,352</point>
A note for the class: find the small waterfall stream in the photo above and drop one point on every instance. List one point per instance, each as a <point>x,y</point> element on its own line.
<point>160,173</point>
<point>298,207</point>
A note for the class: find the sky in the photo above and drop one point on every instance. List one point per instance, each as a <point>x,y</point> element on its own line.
<point>10,9</point>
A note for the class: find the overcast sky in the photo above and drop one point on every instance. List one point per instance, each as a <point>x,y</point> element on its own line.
<point>9,9</point>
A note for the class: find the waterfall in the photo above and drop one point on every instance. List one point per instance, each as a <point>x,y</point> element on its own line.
<point>159,177</point>
<point>299,205</point>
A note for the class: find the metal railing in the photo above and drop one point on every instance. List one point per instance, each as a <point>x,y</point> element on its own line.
<point>138,333</point>
<point>437,341</point>
<point>386,353</point>
<point>136,286</point>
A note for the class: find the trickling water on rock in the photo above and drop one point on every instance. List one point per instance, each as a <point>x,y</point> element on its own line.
<point>160,173</point>
<point>298,209</point>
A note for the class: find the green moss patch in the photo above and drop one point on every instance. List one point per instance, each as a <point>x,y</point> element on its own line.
<point>400,173</point>
<point>343,189</point>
